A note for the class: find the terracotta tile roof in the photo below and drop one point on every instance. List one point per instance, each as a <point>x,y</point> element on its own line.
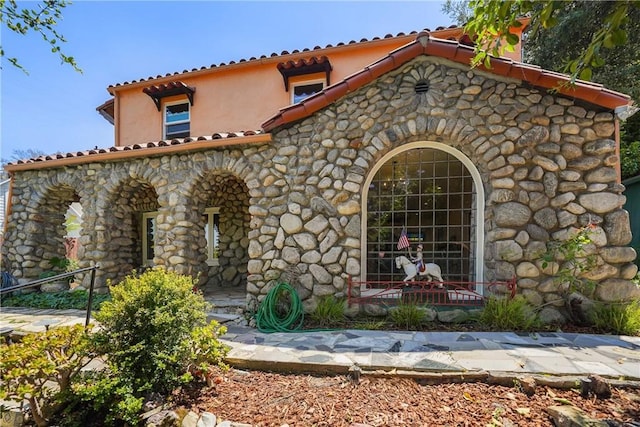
<point>303,63</point>
<point>155,90</point>
<point>424,44</point>
<point>222,139</point>
<point>275,55</point>
<point>315,64</point>
<point>162,90</point>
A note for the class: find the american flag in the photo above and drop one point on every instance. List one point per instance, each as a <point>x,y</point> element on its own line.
<point>403,241</point>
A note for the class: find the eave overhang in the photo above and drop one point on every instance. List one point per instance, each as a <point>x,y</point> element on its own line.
<point>303,67</point>
<point>164,90</point>
<point>159,148</point>
<point>424,44</point>
<point>106,110</point>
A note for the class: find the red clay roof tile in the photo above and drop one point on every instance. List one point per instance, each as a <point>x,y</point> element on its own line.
<point>274,54</point>
<point>94,154</point>
<point>534,75</point>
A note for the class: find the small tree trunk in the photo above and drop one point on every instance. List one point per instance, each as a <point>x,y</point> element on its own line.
<point>36,412</point>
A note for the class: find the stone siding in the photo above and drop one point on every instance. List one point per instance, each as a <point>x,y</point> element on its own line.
<point>294,206</point>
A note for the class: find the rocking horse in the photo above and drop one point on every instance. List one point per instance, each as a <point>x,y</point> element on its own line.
<point>431,271</point>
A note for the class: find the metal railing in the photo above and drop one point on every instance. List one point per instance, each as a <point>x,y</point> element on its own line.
<point>58,277</point>
<point>423,292</point>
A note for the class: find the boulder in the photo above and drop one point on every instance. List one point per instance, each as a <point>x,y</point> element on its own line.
<point>570,416</point>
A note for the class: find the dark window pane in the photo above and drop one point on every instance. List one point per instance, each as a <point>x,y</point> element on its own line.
<point>176,113</point>
<point>179,130</point>
<point>304,91</point>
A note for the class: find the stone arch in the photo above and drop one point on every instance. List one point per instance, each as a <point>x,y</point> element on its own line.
<point>220,217</point>
<point>474,209</point>
<point>46,227</point>
<point>119,228</point>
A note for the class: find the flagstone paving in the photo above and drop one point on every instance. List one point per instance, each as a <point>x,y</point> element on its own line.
<point>548,353</point>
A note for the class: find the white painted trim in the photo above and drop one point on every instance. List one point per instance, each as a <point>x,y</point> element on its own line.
<point>145,256</point>
<point>164,116</point>
<point>210,213</point>
<point>480,203</point>
<point>305,83</point>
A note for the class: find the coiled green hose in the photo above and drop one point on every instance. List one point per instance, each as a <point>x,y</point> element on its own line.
<point>272,315</point>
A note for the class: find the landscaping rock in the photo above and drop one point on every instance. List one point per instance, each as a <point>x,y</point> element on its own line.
<point>596,385</point>
<point>190,420</point>
<point>54,287</point>
<point>453,316</point>
<point>570,416</point>
<point>551,316</point>
<point>164,418</point>
<point>207,419</point>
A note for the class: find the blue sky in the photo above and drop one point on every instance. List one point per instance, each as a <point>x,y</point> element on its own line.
<point>53,108</point>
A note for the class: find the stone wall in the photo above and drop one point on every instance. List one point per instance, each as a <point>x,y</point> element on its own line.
<point>547,166</point>
<point>115,194</point>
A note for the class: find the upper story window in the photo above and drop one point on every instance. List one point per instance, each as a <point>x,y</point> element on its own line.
<point>177,120</point>
<point>304,90</point>
<point>176,116</point>
<point>305,76</point>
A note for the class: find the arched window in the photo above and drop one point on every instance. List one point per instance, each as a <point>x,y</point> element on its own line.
<point>432,192</point>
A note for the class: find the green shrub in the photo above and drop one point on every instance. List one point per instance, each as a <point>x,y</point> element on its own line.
<point>329,312</point>
<point>41,367</point>
<point>103,397</point>
<point>509,314</point>
<point>574,260</point>
<point>154,330</point>
<point>618,318</point>
<point>57,300</point>
<point>408,316</point>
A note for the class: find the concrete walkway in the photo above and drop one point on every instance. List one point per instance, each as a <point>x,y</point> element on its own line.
<point>425,353</point>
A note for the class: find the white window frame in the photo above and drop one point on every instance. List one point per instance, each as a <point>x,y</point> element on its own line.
<point>164,117</point>
<point>323,82</point>
<point>213,240</point>
<point>146,260</point>
<point>478,221</point>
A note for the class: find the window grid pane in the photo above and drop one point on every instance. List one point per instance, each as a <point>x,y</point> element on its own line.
<point>429,193</point>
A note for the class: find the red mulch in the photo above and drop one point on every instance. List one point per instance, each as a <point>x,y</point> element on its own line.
<point>270,399</point>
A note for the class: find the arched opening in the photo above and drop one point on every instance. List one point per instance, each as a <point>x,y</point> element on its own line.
<point>130,224</point>
<point>222,206</point>
<point>433,193</point>
<point>55,232</point>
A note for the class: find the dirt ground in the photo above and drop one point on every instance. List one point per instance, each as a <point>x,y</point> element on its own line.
<point>271,399</point>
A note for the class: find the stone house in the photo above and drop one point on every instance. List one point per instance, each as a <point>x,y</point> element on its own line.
<point>483,167</point>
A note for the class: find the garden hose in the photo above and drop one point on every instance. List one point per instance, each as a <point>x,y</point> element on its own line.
<point>280,311</point>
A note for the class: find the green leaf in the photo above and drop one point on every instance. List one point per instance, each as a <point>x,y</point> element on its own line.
<point>619,37</point>
<point>512,39</point>
<point>586,74</point>
<point>598,61</point>
<point>608,41</point>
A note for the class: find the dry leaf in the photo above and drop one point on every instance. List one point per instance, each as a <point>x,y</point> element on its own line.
<point>467,396</point>
<point>523,411</point>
